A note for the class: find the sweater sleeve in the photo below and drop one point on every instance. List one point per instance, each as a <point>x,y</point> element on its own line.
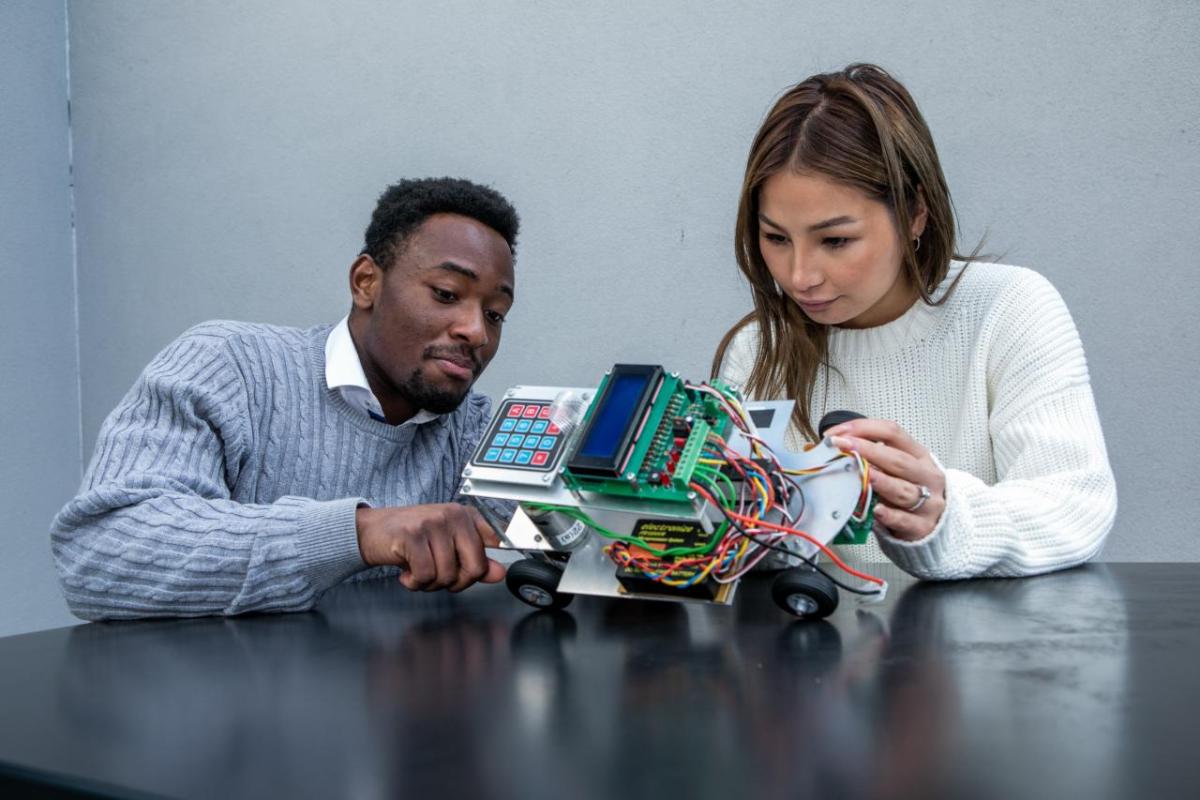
<point>154,531</point>
<point>1055,498</point>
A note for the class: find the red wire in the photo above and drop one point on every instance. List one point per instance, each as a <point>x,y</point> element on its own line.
<point>784,529</point>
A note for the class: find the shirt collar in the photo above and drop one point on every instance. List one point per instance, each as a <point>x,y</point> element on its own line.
<point>344,372</point>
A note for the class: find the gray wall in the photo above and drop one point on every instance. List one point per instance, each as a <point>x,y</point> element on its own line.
<point>227,157</point>
<point>39,388</point>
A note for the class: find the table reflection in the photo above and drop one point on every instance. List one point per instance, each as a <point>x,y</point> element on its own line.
<point>999,687</point>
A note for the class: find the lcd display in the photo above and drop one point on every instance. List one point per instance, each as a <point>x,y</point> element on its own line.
<point>615,417</point>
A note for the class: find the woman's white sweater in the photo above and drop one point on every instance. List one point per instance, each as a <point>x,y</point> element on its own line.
<point>994,382</point>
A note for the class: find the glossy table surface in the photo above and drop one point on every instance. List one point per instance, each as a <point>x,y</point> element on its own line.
<point>1080,684</point>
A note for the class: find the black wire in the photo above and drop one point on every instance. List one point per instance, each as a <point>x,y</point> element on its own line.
<point>803,502</point>
<point>852,589</point>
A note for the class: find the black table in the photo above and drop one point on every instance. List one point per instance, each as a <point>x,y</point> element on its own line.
<point>1080,684</point>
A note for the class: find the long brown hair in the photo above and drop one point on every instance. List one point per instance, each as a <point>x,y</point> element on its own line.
<point>861,128</point>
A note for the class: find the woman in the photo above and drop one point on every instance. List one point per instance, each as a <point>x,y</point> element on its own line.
<point>986,450</point>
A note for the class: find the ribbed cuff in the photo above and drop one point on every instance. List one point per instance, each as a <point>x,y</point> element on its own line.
<point>328,543</point>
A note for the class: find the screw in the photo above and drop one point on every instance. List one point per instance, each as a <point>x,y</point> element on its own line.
<point>836,515</point>
<point>466,487</point>
<point>467,471</point>
<point>537,537</point>
<point>547,478</point>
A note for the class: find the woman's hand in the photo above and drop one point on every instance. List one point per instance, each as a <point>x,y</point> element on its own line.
<point>910,487</point>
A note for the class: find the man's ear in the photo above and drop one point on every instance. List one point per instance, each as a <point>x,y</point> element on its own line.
<point>366,282</point>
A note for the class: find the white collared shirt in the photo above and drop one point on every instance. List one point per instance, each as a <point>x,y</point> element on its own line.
<point>344,372</point>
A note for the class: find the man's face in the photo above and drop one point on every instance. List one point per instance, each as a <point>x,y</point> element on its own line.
<point>426,327</point>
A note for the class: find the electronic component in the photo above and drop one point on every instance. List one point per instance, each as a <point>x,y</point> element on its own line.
<point>651,486</point>
<point>615,419</point>
<point>522,436</point>
<point>644,435</point>
<point>639,569</point>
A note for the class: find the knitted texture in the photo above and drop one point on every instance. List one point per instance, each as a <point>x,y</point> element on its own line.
<point>227,480</point>
<point>995,384</point>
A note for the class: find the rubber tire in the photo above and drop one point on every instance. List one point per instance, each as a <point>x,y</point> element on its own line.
<point>539,575</point>
<point>808,582</point>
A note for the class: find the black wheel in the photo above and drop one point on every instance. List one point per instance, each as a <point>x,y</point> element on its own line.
<point>805,593</point>
<point>536,583</point>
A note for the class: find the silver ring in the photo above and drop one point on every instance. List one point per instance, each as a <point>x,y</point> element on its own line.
<point>920,500</point>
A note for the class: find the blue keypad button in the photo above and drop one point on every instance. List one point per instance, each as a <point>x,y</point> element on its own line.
<point>548,442</point>
<point>508,425</point>
<point>539,426</point>
<point>523,426</point>
<point>500,440</point>
<point>507,455</point>
<point>532,442</point>
<point>493,454</point>
<point>516,440</point>
<point>524,456</point>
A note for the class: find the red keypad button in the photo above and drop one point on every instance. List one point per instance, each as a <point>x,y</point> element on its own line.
<point>552,428</point>
<point>544,413</point>
<point>531,411</point>
<point>539,458</point>
<point>515,410</point>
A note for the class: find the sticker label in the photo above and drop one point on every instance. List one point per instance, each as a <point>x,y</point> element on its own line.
<point>571,534</point>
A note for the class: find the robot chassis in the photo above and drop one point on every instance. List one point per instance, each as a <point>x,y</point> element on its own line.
<point>651,487</point>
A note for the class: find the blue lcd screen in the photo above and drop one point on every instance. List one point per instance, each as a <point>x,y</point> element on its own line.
<point>613,418</point>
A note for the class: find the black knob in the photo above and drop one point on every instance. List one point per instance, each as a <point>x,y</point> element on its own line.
<point>836,418</point>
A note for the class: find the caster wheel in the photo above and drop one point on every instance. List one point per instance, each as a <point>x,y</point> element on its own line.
<point>536,583</point>
<point>803,592</point>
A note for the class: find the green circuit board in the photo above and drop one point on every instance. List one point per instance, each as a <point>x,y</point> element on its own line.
<point>670,427</point>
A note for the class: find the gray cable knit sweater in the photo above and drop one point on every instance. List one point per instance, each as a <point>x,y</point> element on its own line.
<point>227,479</point>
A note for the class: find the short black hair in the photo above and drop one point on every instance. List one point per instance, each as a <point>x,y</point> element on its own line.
<point>405,205</point>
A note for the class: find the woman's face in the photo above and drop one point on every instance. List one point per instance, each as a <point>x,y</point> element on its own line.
<point>834,250</point>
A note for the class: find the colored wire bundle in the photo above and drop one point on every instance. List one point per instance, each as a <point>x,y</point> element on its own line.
<point>745,490</point>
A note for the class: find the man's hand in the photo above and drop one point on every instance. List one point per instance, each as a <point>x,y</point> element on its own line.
<point>900,468</point>
<point>438,546</point>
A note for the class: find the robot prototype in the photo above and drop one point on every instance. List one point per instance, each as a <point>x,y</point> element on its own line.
<point>652,487</point>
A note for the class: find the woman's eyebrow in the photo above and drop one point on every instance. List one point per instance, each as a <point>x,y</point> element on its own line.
<point>827,223</point>
<point>831,222</point>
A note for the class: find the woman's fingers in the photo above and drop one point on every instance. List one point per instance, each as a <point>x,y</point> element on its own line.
<point>882,456</point>
<point>897,493</point>
<point>879,430</point>
<point>903,524</point>
<point>903,474</point>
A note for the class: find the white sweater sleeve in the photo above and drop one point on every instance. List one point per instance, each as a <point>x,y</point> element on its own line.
<point>1055,498</point>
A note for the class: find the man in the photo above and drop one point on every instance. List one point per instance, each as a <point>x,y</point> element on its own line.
<point>252,467</point>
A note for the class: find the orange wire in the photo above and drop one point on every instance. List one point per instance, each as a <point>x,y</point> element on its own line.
<point>832,556</point>
<point>784,529</point>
